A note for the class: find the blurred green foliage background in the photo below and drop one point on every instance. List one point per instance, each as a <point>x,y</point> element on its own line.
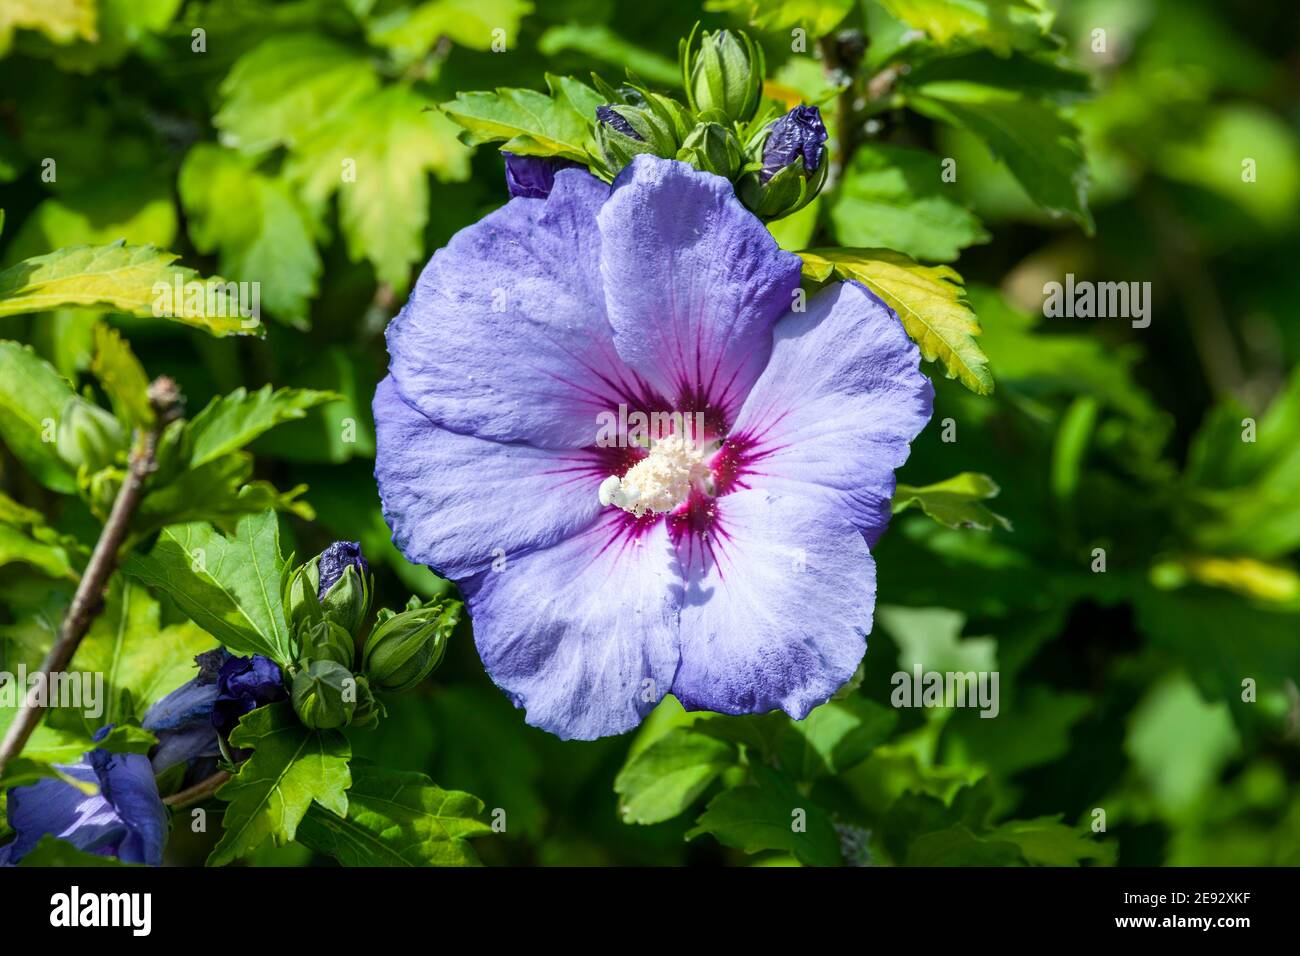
<point>1121,690</point>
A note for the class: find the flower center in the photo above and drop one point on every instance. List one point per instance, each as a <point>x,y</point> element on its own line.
<point>661,481</point>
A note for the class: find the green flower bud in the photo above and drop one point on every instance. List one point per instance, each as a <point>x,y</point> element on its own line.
<point>369,709</point>
<point>712,148</point>
<point>88,435</point>
<point>336,584</point>
<point>723,75</point>
<point>637,121</point>
<point>301,606</point>
<point>324,695</point>
<point>326,640</point>
<point>403,649</point>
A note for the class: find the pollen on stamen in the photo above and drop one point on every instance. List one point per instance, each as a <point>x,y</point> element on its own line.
<point>659,483</point>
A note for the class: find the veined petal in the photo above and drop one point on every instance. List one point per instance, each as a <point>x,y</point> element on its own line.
<point>505,335</point>
<point>457,503</point>
<point>583,635</point>
<point>777,607</point>
<point>693,284</point>
<point>837,407</point>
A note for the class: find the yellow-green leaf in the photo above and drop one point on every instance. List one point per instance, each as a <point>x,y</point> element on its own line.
<point>122,376</point>
<point>139,280</point>
<point>930,302</point>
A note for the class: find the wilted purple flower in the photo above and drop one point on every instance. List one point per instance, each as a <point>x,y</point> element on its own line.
<point>244,684</point>
<point>335,560</point>
<point>533,176</point>
<point>799,132</point>
<point>729,564</point>
<point>124,819</point>
<point>182,721</point>
<point>614,120</point>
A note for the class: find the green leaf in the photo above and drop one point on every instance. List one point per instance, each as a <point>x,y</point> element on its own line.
<point>818,17</point>
<point>377,156</point>
<point>218,492</point>
<point>231,421</point>
<point>956,502</point>
<point>930,302</point>
<point>411,31</point>
<point>1000,25</point>
<point>138,280</point>
<point>1179,743</point>
<point>286,88</point>
<point>122,377</point>
<point>25,537</point>
<point>229,586</point>
<point>771,815</point>
<point>397,818</point>
<point>257,225</point>
<point>291,767</point>
<point>528,122</point>
<point>32,398</point>
<point>1039,145</point>
<point>51,851</point>
<point>896,198</point>
<point>958,846</point>
<point>666,777</point>
<point>140,660</point>
<point>1046,841</point>
<point>835,737</point>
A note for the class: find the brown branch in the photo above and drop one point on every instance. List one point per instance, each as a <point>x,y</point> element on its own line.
<point>197,793</point>
<point>165,400</point>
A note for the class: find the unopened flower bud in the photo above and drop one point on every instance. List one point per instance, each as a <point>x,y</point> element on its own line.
<point>327,640</point>
<point>798,135</point>
<point>324,695</point>
<point>723,75</point>
<point>712,148</point>
<point>88,435</point>
<point>794,166</point>
<point>403,649</point>
<point>336,584</point>
<point>637,121</point>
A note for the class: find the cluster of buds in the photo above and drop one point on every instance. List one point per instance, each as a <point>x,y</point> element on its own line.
<point>777,162</point>
<point>327,602</point>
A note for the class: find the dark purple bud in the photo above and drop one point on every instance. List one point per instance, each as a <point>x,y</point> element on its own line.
<point>244,684</point>
<point>799,132</point>
<point>610,118</point>
<point>335,560</point>
<point>533,177</point>
<point>182,721</point>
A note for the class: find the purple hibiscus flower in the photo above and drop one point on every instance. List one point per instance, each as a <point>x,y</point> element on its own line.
<point>726,561</point>
<point>125,818</point>
<point>182,721</point>
<point>244,684</point>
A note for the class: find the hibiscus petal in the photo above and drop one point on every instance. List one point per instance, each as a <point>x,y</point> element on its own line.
<point>776,610</point>
<point>505,335</point>
<point>837,407</point>
<point>693,284</point>
<point>583,635</point>
<point>457,503</point>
